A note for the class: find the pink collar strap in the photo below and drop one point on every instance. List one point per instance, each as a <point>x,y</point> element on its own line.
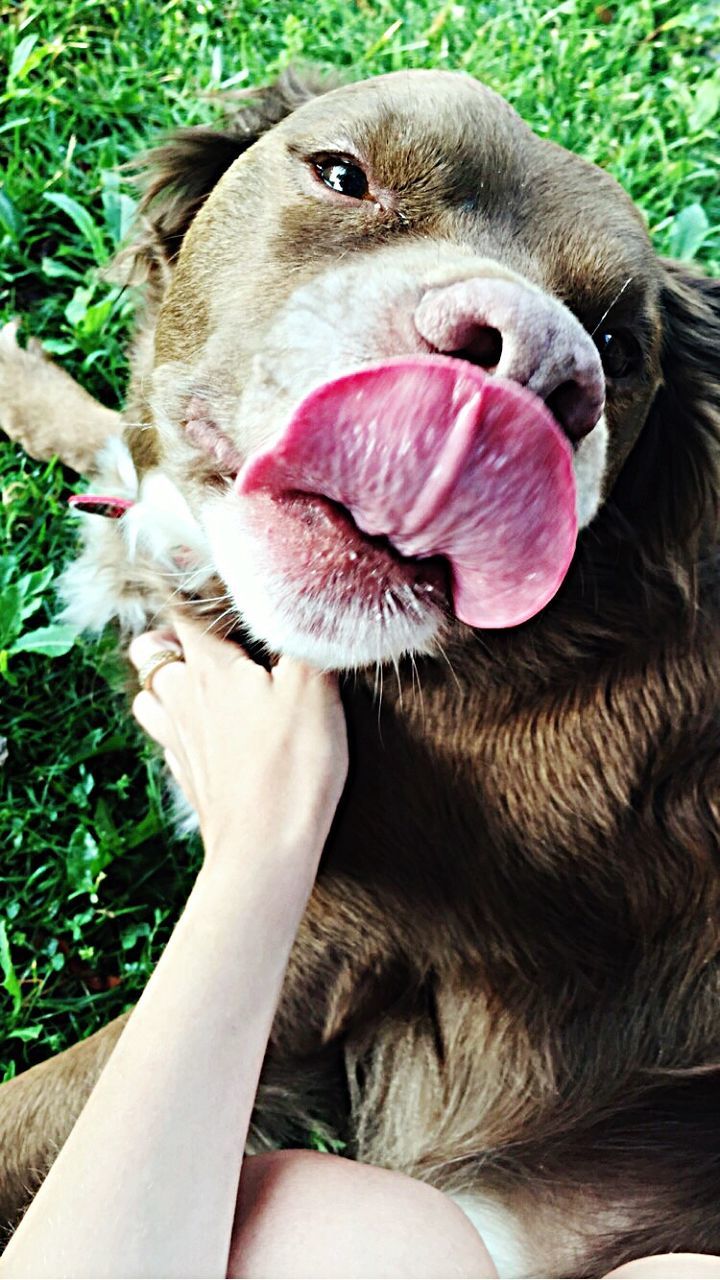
<point>113,508</point>
<point>100,504</point>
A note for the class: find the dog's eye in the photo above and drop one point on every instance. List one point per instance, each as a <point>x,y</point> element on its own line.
<point>620,353</point>
<point>340,175</point>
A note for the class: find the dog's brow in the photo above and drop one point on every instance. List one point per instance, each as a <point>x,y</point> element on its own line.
<point>339,146</point>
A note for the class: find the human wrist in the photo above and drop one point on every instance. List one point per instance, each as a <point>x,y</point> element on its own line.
<point>247,923</point>
<point>262,863</point>
<point>269,837</point>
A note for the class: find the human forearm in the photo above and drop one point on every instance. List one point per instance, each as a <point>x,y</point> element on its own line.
<point>146,1184</point>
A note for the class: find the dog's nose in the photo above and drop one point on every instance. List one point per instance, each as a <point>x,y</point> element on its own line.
<point>514,330</point>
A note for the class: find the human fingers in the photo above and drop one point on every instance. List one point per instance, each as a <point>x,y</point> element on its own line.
<point>153,654</point>
<point>154,719</point>
<point>142,646</point>
<point>292,673</point>
<point>311,692</point>
<point>152,716</point>
<point>201,645</point>
<point>182,776</point>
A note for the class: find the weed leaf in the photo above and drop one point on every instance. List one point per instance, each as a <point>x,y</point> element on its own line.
<point>688,231</point>
<point>20,57</point>
<point>84,860</point>
<point>83,221</point>
<point>706,103</point>
<point>52,641</point>
<point>10,217</point>
<point>10,978</point>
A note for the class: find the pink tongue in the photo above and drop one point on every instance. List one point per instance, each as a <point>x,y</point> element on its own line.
<point>441,459</point>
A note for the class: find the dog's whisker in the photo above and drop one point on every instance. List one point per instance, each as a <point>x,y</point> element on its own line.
<point>174,595</point>
<point>608,309</point>
<point>443,654</point>
<point>200,601</point>
<point>215,622</point>
<point>396,666</point>
<point>416,674</point>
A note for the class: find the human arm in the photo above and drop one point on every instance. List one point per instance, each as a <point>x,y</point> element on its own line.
<point>146,1184</point>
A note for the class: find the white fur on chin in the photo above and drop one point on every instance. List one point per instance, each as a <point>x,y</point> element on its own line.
<point>298,623</point>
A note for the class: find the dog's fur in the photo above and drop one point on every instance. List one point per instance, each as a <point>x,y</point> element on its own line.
<point>507,980</point>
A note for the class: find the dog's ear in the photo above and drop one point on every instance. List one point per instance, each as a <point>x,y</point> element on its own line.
<point>670,486</point>
<point>178,176</point>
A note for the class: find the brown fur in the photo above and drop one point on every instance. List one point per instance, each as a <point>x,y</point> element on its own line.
<point>507,979</point>
<point>31,388</point>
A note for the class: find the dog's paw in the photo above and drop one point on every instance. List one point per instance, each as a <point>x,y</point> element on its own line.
<point>14,363</point>
<point>45,410</point>
<point>20,371</point>
<point>11,350</point>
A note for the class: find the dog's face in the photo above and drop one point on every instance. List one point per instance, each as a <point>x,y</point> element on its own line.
<point>410,215</point>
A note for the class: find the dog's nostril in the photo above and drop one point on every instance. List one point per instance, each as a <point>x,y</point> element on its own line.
<point>484,348</point>
<point>570,405</point>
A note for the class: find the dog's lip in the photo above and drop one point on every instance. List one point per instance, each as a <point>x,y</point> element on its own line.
<point>334,540</point>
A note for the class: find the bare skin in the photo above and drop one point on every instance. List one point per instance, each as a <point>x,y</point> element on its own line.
<point>147,1184</point>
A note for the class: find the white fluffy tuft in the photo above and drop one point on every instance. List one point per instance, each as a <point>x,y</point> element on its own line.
<point>161,523</point>
<point>589,461</point>
<point>499,1231</point>
<point>116,469</point>
<point>129,568</point>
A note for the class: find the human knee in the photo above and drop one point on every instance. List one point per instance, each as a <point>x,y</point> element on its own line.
<point>303,1212</point>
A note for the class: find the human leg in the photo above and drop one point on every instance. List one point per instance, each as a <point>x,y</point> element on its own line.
<point>301,1213</point>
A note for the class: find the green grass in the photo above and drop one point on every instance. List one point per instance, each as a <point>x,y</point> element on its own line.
<point>91,879</point>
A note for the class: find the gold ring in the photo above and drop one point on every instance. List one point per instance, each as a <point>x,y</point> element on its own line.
<point>150,668</point>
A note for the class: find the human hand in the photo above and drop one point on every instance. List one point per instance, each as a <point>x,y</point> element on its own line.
<point>261,756</point>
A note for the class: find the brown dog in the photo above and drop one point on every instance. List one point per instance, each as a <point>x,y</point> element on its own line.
<point>507,979</point>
